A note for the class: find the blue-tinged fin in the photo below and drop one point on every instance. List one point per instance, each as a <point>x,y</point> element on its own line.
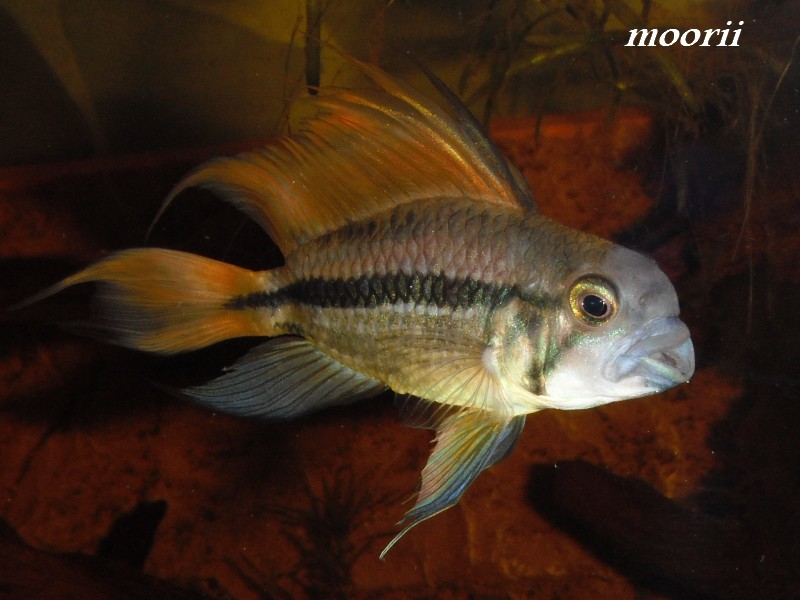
<point>281,379</point>
<point>362,153</point>
<point>508,439</point>
<point>419,413</point>
<point>467,442</point>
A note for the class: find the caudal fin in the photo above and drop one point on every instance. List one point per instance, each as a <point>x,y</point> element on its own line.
<point>168,301</point>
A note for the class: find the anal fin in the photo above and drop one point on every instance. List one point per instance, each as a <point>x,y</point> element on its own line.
<point>282,379</point>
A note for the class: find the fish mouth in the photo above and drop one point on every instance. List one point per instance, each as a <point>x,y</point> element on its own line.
<point>662,355</point>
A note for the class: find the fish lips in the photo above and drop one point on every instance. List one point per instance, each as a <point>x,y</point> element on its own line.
<point>662,355</point>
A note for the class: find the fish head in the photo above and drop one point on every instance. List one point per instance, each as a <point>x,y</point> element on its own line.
<point>619,334</point>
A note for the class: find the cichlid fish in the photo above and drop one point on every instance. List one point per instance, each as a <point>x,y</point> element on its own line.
<point>414,260</point>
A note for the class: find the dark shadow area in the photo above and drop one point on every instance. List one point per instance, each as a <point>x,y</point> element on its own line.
<point>27,572</point>
<point>131,537</point>
<point>659,544</point>
<point>53,125</point>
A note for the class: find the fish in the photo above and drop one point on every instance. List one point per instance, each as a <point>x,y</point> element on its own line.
<point>415,260</point>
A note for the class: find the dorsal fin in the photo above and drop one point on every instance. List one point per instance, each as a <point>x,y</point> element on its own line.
<point>362,153</point>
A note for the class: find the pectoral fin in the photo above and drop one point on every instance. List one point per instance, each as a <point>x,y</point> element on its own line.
<point>467,442</point>
<point>281,379</point>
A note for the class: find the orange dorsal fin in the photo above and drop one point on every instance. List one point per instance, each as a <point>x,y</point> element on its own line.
<point>363,152</point>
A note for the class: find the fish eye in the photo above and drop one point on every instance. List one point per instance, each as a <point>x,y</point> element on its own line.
<point>593,300</point>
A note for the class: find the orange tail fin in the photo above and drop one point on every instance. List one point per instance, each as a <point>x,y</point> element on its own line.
<point>167,301</point>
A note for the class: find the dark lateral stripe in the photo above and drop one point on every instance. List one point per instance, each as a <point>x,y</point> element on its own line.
<point>369,292</point>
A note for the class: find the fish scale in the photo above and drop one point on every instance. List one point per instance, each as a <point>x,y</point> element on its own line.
<point>435,240</point>
<point>349,308</point>
<point>415,260</point>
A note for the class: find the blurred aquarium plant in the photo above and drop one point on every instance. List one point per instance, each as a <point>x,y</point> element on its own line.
<point>327,534</point>
<point>724,116</point>
<point>84,78</point>
<point>213,71</point>
<point>562,55</point>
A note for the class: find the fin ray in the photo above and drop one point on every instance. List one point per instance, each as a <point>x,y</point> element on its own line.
<point>445,367</point>
<point>467,443</point>
<point>282,379</point>
<point>167,301</point>
<point>363,152</point>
